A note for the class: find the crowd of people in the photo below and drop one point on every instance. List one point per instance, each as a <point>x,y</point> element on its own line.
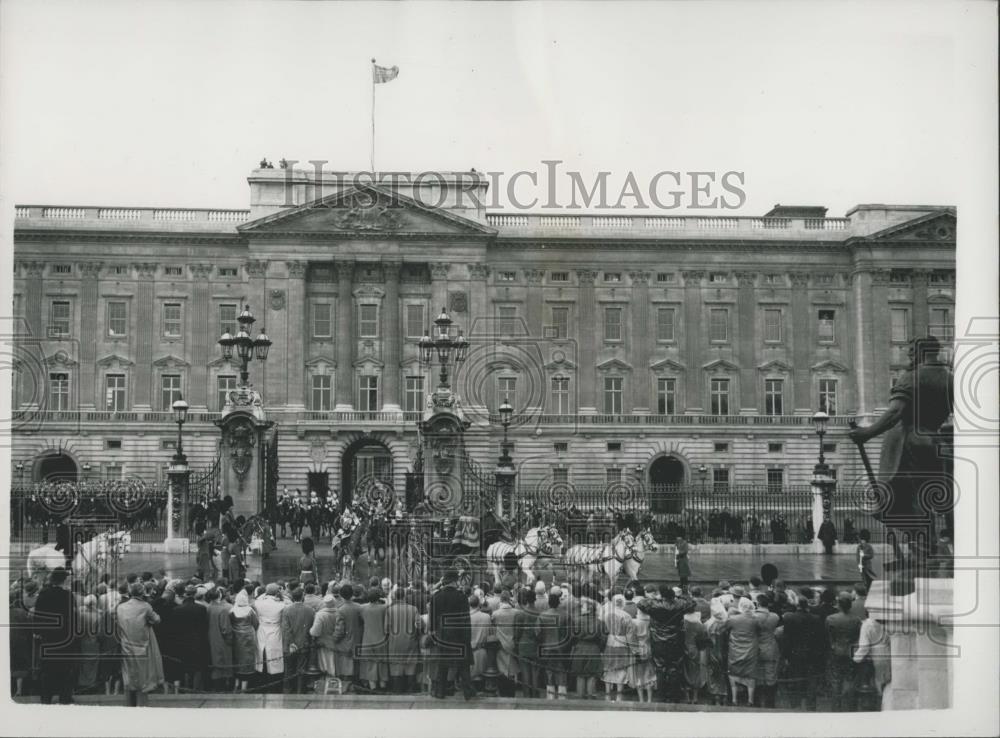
<point>739,644</point>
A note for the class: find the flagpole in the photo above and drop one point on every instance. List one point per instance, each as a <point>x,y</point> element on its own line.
<point>373,117</point>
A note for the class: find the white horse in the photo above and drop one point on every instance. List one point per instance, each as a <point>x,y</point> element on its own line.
<point>537,542</point>
<point>625,550</point>
<point>42,560</point>
<point>643,542</point>
<point>94,557</point>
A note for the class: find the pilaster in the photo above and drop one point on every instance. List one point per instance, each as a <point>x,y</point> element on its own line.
<point>643,336</point>
<point>145,316</point>
<point>588,337</point>
<point>89,331</point>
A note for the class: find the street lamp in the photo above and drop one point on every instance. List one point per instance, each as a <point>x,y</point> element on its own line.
<point>85,468</point>
<point>703,476</point>
<point>178,473</point>
<point>180,409</point>
<point>823,483</point>
<point>505,472</point>
<point>819,421</point>
<point>445,344</point>
<point>247,347</point>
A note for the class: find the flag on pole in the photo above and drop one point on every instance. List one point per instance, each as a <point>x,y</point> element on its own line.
<point>381,75</point>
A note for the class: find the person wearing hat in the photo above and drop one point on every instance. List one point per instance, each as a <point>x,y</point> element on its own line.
<point>843,631</point>
<point>56,607</point>
<point>142,664</point>
<point>245,623</point>
<point>220,640</point>
<point>323,631</point>
<point>270,650</point>
<point>451,631</point>
<point>348,633</point>
<point>403,626</point>
<point>189,622</point>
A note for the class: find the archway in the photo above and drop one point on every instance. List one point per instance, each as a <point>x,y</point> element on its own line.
<point>666,475</point>
<point>365,457</point>
<point>56,467</point>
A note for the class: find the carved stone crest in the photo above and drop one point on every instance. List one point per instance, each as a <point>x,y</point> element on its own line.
<point>458,302</point>
<point>241,446</point>
<point>444,456</point>
<point>317,450</point>
<point>365,214</point>
<point>277,299</point>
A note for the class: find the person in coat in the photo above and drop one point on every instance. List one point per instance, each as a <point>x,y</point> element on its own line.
<point>503,626</point>
<point>553,645</point>
<point>716,654</point>
<point>803,642</point>
<point>322,631</point>
<point>245,622</point>
<point>373,656</point>
<point>843,632</point>
<point>681,561</point>
<point>743,630</point>
<point>270,651</point>
<point>296,620</point>
<point>451,631</point>
<point>666,631</point>
<point>617,656</point>
<point>189,622</point>
<point>482,631</point>
<point>55,617</point>
<point>348,633</point>
<point>90,650</point>
<point>768,653</point>
<point>403,627</point>
<point>220,640</point>
<point>526,642</point>
<point>142,665</point>
<point>695,669</point>
<point>588,634</point>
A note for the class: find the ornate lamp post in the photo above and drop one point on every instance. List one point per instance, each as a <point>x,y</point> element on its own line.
<point>823,483</point>
<point>703,476</point>
<point>19,466</point>
<point>505,472</point>
<point>247,347</point>
<point>178,473</point>
<point>444,343</point>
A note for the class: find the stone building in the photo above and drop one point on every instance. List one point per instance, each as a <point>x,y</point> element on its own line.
<point>632,346</point>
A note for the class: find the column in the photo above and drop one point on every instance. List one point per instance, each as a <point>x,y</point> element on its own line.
<point>919,279</point>
<point>439,289</point>
<point>33,298</point>
<point>145,319</point>
<point>802,338</point>
<point>479,316</point>
<point>296,331</point>
<point>89,332</point>
<point>204,335</point>
<point>746,343</point>
<point>345,337</point>
<point>533,304</point>
<point>693,340</point>
<point>256,299</point>
<point>641,338</point>
<point>881,338</point>
<point>587,336</point>
<point>392,339</point>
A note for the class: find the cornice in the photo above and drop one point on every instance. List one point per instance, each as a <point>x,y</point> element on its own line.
<point>131,237</point>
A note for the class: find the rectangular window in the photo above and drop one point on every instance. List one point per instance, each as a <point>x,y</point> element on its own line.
<point>560,322</point>
<point>774,390</point>
<point>170,390</point>
<point>828,396</point>
<point>60,318</point>
<point>718,325</point>
<point>322,320</point>
<point>559,276</point>
<point>368,393</point>
<point>665,277</point>
<point>666,396</point>
<point>613,474</point>
<point>720,481</point>
<point>560,475</point>
<point>120,271</point>
<point>322,392</point>
<point>223,386</point>
<point>940,325</point>
<point>939,278</point>
<point>114,393</point>
<point>113,444</point>
<point>413,394</point>
<point>507,315</point>
<point>507,390</point>
<point>775,448</point>
<point>174,271</point>
<point>613,395</point>
<point>368,321</point>
<point>825,326</point>
<point>58,391</point>
<point>612,324</point>
<point>227,319</point>
<point>829,448</point>
<point>772,326</point>
<point>899,322</point>
<point>614,446</point>
<point>62,268</point>
<point>117,319</point>
<point>665,324</point>
<point>506,276</point>
<point>719,277</point>
<point>560,395</point>
<point>775,479</point>
<point>227,271</point>
<point>415,321</point>
<point>720,397</point>
<point>560,447</point>
<point>172,319</point>
<point>722,448</point>
<point>612,276</point>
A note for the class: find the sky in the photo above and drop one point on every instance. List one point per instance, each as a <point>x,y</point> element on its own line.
<point>172,104</point>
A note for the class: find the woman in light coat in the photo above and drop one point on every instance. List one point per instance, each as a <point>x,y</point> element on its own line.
<point>270,649</point>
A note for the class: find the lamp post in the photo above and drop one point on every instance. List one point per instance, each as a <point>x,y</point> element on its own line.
<point>247,347</point>
<point>178,473</point>
<point>505,472</point>
<point>445,344</point>
<point>822,482</point>
<point>703,476</point>
<point>19,466</point>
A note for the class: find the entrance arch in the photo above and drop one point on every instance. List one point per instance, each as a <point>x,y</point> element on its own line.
<point>365,457</point>
<point>667,475</point>
<point>56,467</point>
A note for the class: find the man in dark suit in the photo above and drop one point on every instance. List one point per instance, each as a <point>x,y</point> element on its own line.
<point>804,644</point>
<point>348,630</point>
<point>451,630</point>
<point>190,623</point>
<point>55,627</point>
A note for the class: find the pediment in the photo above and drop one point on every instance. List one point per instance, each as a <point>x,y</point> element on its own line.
<point>114,360</point>
<point>720,365</point>
<point>368,361</point>
<point>775,365</point>
<point>366,210</point>
<point>667,365</point>
<point>322,361</point>
<point>223,363</point>
<point>937,226</point>
<point>829,365</point>
<point>412,361</point>
<point>614,365</point>
<point>170,362</point>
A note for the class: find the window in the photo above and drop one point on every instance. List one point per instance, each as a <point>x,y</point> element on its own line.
<point>774,390</point>
<point>719,277</point>
<point>322,392</point>
<point>775,479</point>
<point>939,278</point>
<point>227,271</point>
<point>899,322</point>
<point>775,448</point>
<point>507,315</point>
<point>413,394</point>
<point>114,393</point>
<point>168,444</point>
<point>59,391</point>
<point>113,444</point>
<point>322,320</point>
<point>560,395</point>
<point>721,447</point>
<point>414,321</point>
<point>614,446</point>
<point>119,271</point>
<point>666,396</point>
<point>117,319</point>
<point>559,276</point>
<point>507,390</point>
<point>224,384</point>
<point>773,279</point>
<point>898,277</point>
<point>612,395</point>
<point>665,324</point>
<point>368,321</point>
<point>829,448</point>
<point>828,396</point>
<point>560,322</point>
<point>720,480</point>
<point>613,474</point>
<point>825,327</point>
<point>227,319</point>
<point>172,319</point>
<point>612,324</point>
<point>62,268</point>
<point>665,277</point>
<point>174,271</point>
<point>506,276</point>
<point>718,325</point>
<point>60,318</point>
<point>720,397</point>
<point>940,325</point>
<point>772,326</point>
<point>560,475</point>
<point>560,447</point>
<point>170,390</point>
<point>368,393</point>
<point>612,276</point>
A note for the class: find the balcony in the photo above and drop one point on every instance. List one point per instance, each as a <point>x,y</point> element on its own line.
<point>671,420</point>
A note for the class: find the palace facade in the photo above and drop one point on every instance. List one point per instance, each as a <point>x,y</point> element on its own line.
<point>656,348</point>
